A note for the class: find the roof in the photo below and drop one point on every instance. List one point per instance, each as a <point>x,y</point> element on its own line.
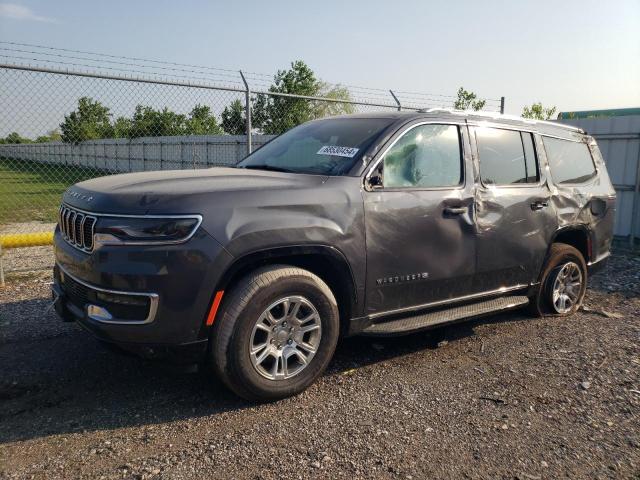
<point>448,114</point>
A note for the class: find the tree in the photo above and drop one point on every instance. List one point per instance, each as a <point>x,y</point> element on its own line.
<point>51,136</point>
<point>90,121</point>
<point>468,100</point>
<point>275,114</point>
<point>148,122</point>
<point>538,112</point>
<point>234,119</point>
<point>337,92</point>
<point>15,137</point>
<point>122,127</point>
<point>202,122</point>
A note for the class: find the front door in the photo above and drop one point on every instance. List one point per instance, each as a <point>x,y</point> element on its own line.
<point>514,215</point>
<point>419,219</point>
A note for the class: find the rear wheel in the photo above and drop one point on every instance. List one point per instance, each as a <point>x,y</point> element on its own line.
<point>275,334</point>
<point>562,284</point>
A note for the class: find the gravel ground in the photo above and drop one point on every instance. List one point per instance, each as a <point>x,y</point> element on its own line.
<point>500,397</point>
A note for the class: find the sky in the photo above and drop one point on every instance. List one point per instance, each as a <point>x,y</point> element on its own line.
<point>576,55</point>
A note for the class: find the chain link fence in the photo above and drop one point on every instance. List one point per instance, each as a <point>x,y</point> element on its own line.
<point>60,126</point>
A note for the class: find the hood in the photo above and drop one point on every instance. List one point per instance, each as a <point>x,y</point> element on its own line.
<point>178,191</point>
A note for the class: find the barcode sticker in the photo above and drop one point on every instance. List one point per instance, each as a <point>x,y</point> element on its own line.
<point>348,152</point>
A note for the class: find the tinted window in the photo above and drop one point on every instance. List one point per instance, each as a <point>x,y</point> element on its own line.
<point>426,156</point>
<point>327,147</point>
<point>502,157</point>
<point>570,162</point>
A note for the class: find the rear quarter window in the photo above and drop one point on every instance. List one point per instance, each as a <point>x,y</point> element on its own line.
<point>570,161</point>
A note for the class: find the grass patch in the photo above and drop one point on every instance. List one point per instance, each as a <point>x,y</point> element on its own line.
<point>32,191</point>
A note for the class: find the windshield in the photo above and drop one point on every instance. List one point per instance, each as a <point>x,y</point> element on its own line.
<point>326,147</point>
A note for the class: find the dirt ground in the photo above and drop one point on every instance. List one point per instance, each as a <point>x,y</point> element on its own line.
<point>499,397</point>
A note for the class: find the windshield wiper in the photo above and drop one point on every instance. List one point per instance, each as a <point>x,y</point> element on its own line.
<point>270,168</point>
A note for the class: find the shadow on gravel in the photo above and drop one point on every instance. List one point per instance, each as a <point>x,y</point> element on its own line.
<point>357,352</point>
<point>58,380</point>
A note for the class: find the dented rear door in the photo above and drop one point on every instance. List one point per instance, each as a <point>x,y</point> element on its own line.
<point>515,221</point>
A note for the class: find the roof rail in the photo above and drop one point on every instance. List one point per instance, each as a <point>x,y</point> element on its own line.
<point>497,115</point>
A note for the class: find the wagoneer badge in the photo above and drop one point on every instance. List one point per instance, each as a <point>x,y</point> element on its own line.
<point>80,196</point>
<point>411,277</point>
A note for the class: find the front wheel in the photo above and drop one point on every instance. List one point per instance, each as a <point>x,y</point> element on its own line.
<point>275,334</point>
<point>563,282</point>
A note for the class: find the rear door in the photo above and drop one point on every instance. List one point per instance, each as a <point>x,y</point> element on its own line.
<point>419,219</point>
<point>515,218</point>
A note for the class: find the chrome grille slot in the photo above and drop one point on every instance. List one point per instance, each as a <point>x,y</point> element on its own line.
<point>87,232</point>
<point>77,228</point>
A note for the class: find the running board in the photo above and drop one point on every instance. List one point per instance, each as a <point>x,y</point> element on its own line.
<point>431,319</point>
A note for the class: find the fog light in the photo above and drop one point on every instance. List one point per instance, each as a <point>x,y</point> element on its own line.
<point>98,313</point>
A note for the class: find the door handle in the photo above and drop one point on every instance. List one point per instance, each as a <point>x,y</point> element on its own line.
<point>455,210</point>
<point>539,205</point>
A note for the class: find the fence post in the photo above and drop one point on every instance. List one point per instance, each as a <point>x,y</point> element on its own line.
<point>396,99</point>
<point>502,105</point>
<point>247,110</point>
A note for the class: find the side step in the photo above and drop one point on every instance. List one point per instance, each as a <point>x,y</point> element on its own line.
<point>431,319</point>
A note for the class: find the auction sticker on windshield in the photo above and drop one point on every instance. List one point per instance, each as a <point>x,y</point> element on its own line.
<point>338,151</point>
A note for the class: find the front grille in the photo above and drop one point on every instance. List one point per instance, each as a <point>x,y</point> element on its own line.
<point>79,294</point>
<point>76,227</point>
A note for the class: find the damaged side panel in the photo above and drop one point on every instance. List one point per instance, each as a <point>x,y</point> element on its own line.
<point>514,225</point>
<point>590,205</point>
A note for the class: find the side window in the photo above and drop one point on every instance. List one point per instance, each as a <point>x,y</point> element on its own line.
<point>570,162</point>
<point>426,156</point>
<point>507,157</point>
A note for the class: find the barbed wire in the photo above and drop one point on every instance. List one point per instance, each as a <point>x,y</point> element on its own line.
<point>127,58</point>
<point>138,72</point>
<point>257,80</point>
<point>115,62</point>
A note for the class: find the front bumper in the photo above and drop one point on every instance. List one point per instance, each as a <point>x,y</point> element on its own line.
<point>145,299</point>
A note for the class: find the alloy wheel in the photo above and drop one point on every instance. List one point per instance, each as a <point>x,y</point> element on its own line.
<point>567,287</point>
<point>285,338</point>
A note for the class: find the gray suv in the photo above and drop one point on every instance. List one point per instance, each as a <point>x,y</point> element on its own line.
<point>378,224</point>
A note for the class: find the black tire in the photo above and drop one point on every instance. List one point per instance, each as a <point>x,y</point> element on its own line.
<point>560,254</point>
<point>241,308</point>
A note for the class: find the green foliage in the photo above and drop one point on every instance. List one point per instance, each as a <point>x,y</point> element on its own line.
<point>51,136</point>
<point>202,122</point>
<point>538,112</point>
<point>233,118</point>
<point>15,137</point>
<point>270,114</point>
<point>327,109</point>
<point>468,101</point>
<point>90,121</point>
<point>146,122</point>
<point>274,114</point>
<point>122,127</point>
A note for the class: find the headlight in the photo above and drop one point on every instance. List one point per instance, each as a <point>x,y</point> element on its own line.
<point>145,230</point>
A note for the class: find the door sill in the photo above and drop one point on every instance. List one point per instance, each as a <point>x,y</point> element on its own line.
<point>424,321</point>
<point>448,301</point>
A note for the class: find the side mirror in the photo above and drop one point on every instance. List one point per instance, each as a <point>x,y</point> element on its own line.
<point>375,181</point>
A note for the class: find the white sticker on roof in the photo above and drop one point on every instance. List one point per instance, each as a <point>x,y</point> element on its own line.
<point>349,152</point>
